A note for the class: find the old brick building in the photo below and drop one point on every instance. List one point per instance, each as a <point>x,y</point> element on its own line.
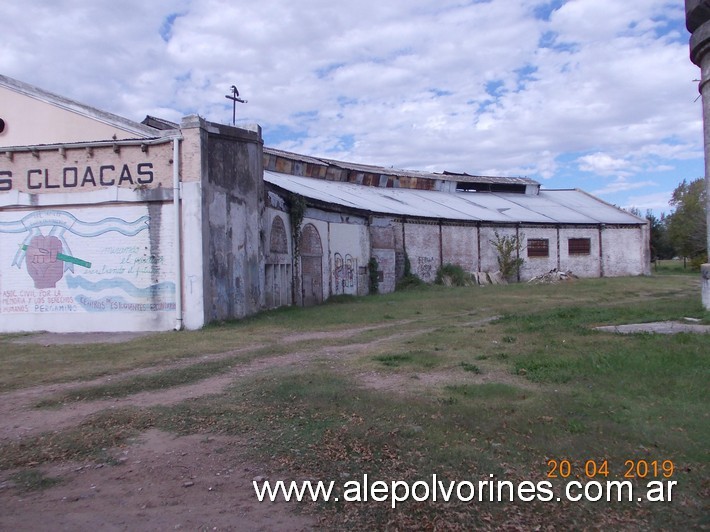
<point>107,224</point>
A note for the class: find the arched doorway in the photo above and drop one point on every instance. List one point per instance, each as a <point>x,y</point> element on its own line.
<point>311,252</point>
<point>277,270</point>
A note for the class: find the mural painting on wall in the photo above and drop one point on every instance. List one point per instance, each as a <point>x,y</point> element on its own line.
<point>52,261</point>
<point>344,273</point>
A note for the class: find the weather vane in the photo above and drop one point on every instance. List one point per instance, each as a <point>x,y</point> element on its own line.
<point>235,98</point>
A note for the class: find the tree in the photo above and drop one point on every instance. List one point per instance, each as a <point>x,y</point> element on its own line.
<point>509,248</point>
<point>661,246</point>
<point>687,224</point>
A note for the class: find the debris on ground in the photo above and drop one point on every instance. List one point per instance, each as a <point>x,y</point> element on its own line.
<point>553,276</point>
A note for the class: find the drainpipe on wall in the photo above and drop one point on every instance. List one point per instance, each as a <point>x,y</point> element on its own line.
<point>178,233</point>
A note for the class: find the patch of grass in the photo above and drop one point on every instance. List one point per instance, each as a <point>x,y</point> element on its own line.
<point>487,391</point>
<point>91,439</point>
<point>27,480</point>
<point>422,359</point>
<point>466,366</point>
<point>672,267</point>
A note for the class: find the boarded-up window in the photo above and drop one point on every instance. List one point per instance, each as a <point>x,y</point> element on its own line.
<point>538,247</point>
<point>279,243</point>
<point>579,246</point>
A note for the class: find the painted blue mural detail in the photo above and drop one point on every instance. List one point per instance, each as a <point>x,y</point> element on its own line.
<point>125,265</point>
<point>124,285</point>
<point>61,221</point>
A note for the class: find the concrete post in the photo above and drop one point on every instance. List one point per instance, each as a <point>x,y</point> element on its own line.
<point>697,20</point>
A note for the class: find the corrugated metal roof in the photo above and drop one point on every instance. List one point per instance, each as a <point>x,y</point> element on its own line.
<point>468,178</point>
<point>549,206</point>
<point>294,156</point>
<point>396,172</point>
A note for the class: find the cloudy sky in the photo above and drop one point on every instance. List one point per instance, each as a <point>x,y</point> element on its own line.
<point>593,94</point>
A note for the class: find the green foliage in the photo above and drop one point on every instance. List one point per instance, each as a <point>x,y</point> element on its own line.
<point>687,225</point>
<point>509,248</point>
<point>452,275</point>
<point>424,359</point>
<point>407,265</point>
<point>409,279</point>
<point>472,368</point>
<point>372,269</point>
<point>296,213</point>
<point>661,246</point>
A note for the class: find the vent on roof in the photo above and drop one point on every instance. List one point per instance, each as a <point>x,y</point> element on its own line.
<point>468,186</point>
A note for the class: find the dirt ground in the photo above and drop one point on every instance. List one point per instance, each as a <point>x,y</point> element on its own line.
<point>161,482</point>
<point>164,482</point>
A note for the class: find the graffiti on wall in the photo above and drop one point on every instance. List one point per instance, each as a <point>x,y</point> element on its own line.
<point>344,273</point>
<point>425,268</point>
<point>52,261</point>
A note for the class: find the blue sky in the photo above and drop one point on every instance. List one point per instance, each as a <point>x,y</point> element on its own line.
<point>592,94</point>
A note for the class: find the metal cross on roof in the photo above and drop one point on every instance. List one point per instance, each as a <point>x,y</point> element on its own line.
<point>235,98</point>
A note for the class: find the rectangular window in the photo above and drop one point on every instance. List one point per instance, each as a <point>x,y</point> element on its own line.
<point>538,247</point>
<point>579,246</point>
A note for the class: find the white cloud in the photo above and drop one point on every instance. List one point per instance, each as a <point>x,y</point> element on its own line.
<point>604,164</point>
<point>426,84</point>
<point>622,184</point>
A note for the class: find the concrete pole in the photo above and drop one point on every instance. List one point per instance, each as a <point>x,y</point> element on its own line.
<point>697,20</point>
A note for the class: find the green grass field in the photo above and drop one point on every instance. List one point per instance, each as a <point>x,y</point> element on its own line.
<point>463,383</point>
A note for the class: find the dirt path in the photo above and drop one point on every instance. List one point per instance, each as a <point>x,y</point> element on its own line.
<point>19,418</point>
<point>165,482</point>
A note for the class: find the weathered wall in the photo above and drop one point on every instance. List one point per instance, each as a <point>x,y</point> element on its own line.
<point>233,205</point>
<point>87,169</point>
<point>625,251</point>
<point>460,246</point>
<point>428,245</point>
<point>87,267</point>
<point>349,255</point>
<point>383,245</point>
<point>532,265</point>
<point>422,243</point>
<point>587,265</point>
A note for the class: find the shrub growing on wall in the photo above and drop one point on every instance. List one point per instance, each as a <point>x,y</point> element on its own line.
<point>509,248</point>
<point>452,275</point>
<point>409,279</point>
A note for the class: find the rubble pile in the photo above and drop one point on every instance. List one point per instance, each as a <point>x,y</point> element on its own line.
<point>553,276</point>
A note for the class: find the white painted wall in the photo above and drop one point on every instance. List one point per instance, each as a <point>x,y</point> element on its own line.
<point>87,268</point>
